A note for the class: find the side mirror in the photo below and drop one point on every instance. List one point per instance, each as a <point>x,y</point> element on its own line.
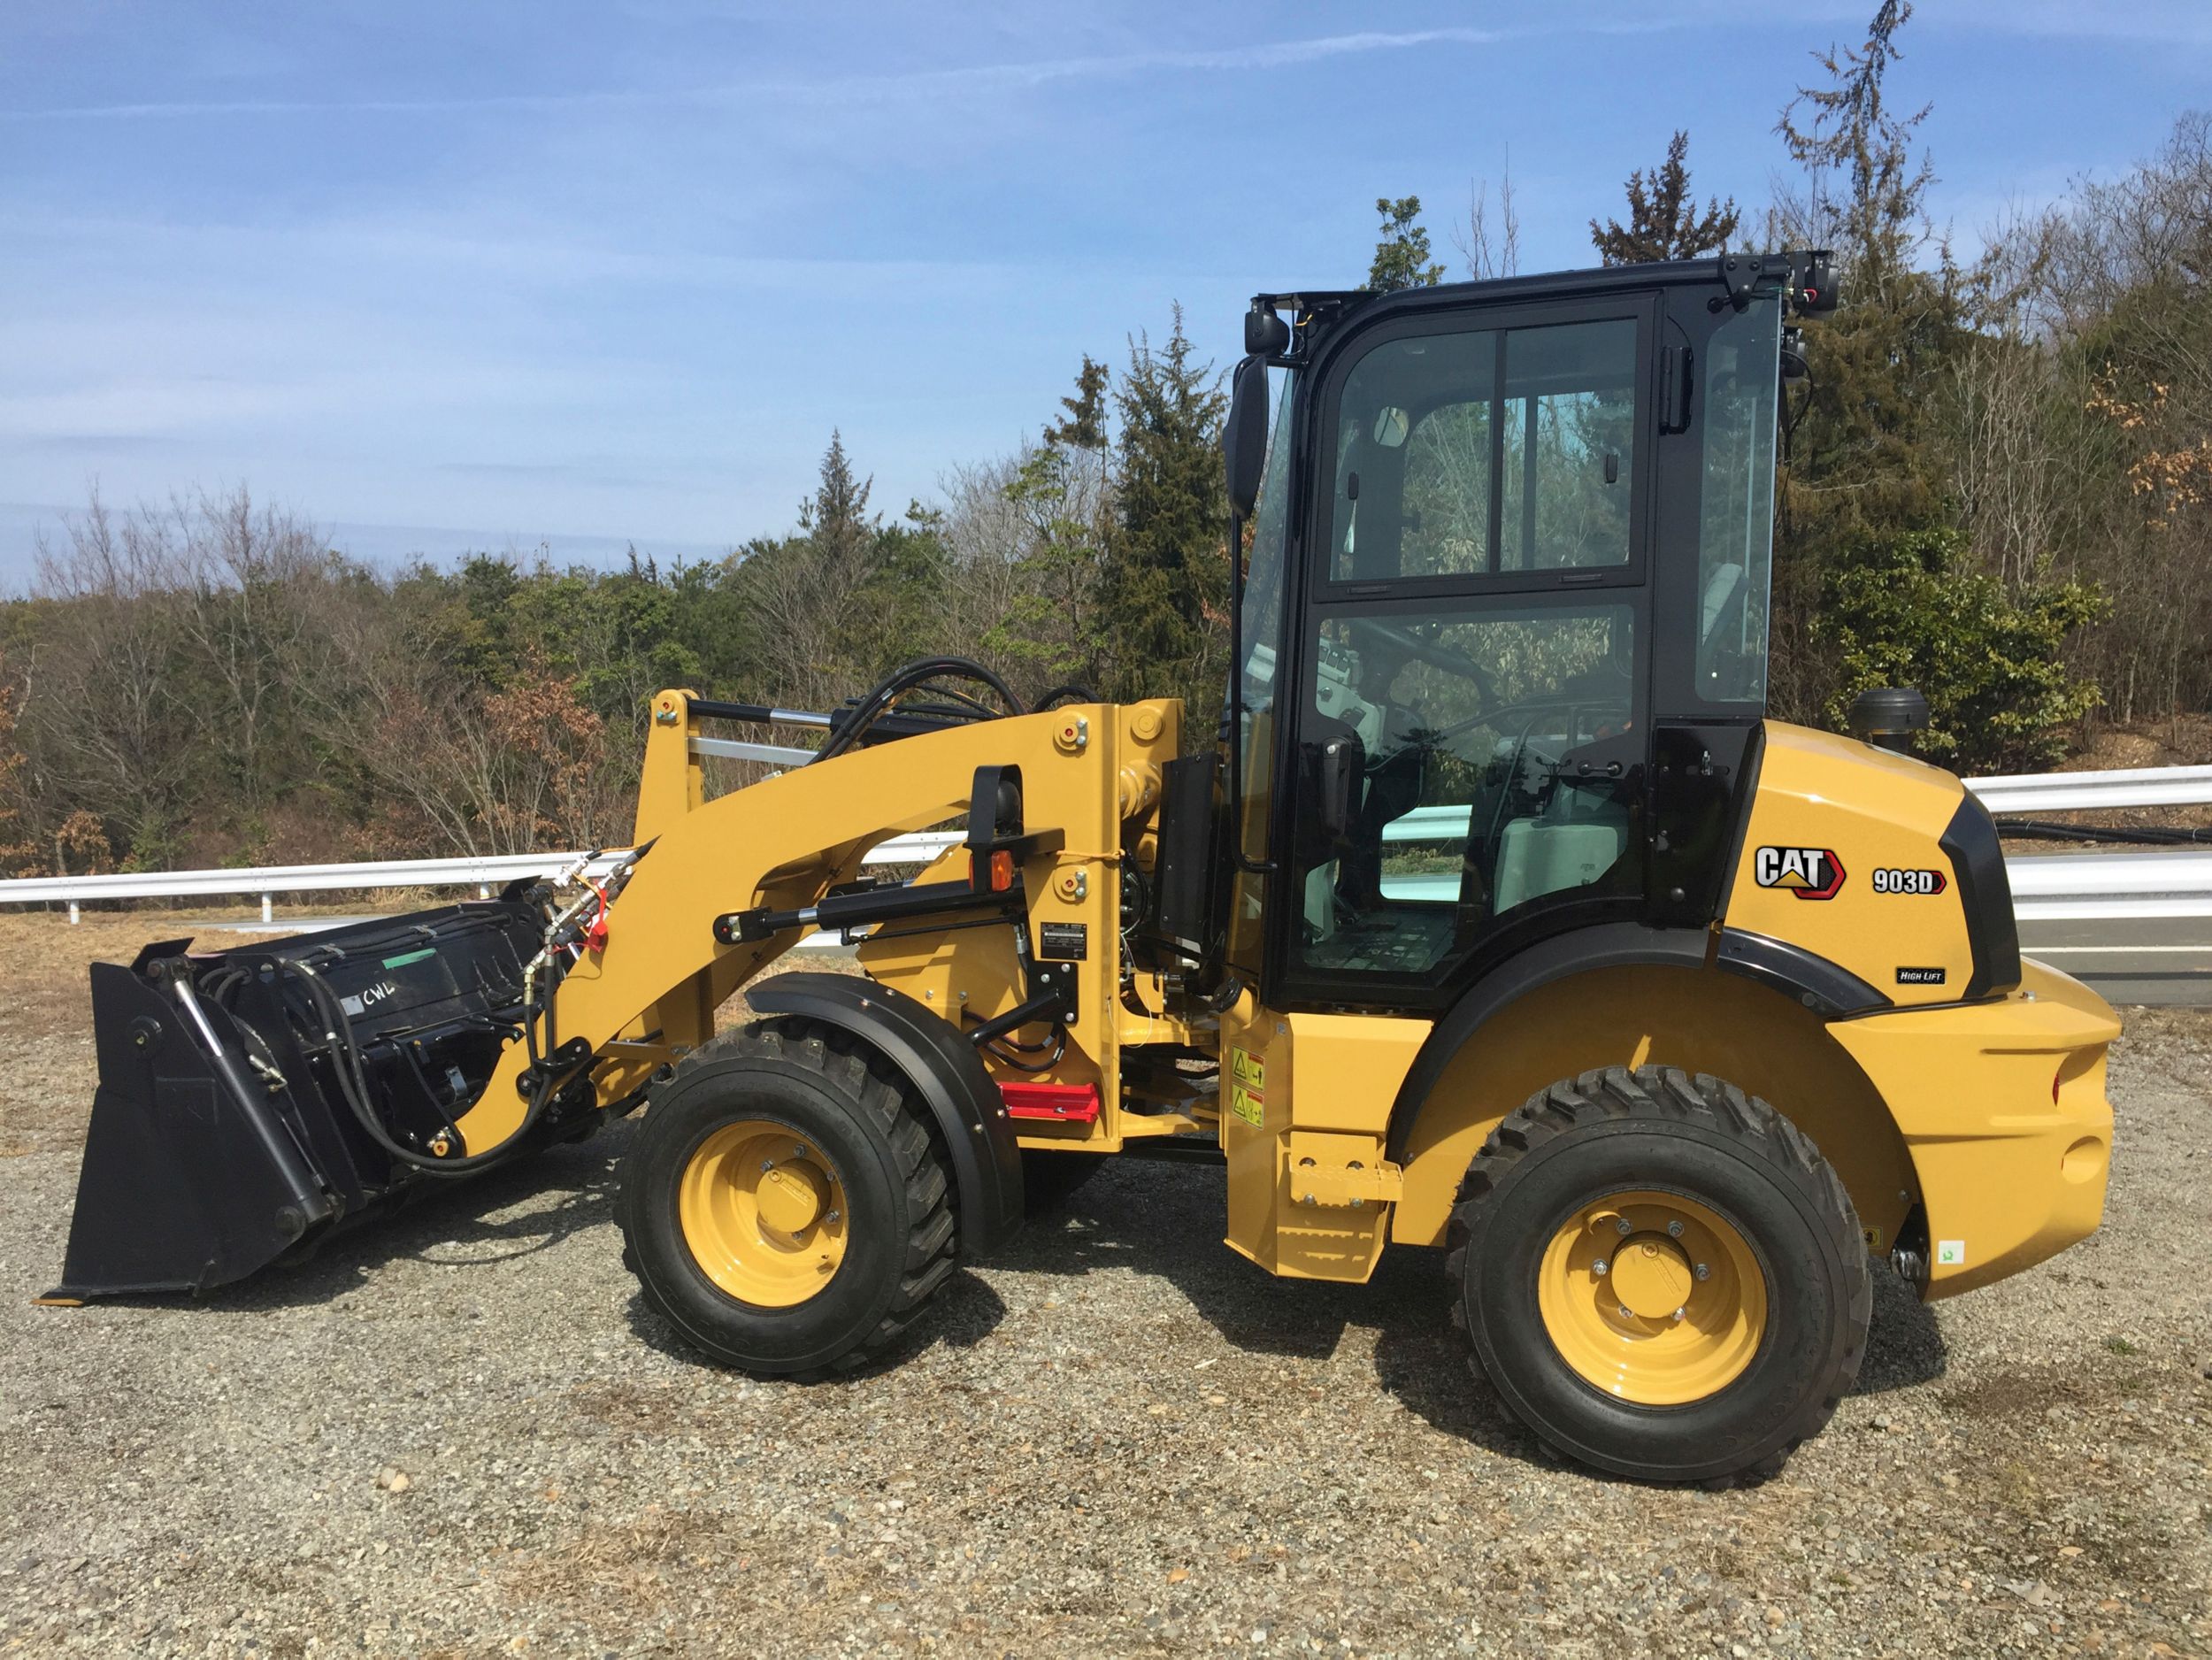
<point>1244,435</point>
<point>1795,370</point>
<point>1342,768</point>
<point>1813,284</point>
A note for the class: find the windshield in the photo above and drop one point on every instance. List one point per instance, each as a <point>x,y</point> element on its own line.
<point>1264,565</point>
<point>1265,580</point>
<point>1736,511</point>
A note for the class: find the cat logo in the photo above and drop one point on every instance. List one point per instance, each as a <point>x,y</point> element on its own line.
<point>1809,872</point>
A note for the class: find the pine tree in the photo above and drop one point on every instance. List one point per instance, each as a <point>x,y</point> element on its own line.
<point>1862,467</point>
<point>1664,222</point>
<point>1061,490</point>
<point>1163,584</point>
<point>1847,128</point>
<point>1402,254</point>
<point>836,517</point>
<point>1084,427</point>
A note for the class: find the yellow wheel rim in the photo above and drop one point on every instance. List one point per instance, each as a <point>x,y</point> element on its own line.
<point>1652,1297</point>
<point>763,1213</point>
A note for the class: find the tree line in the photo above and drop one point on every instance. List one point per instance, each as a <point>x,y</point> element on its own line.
<point>1996,484</point>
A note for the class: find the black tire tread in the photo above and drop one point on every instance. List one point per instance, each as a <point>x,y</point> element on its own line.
<point>1668,1091</point>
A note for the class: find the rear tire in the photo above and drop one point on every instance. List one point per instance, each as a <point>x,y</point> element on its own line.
<point>1609,1198</point>
<point>824,1272</point>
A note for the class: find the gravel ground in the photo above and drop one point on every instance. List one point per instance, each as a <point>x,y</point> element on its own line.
<point>461,1434</point>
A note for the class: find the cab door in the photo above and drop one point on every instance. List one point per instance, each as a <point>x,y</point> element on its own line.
<point>1464,745</point>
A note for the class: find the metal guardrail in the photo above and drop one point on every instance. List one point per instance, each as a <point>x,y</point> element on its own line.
<point>2110,887</point>
<point>2023,792</point>
<point>2070,792</point>
<point>2056,886</point>
<point>482,873</point>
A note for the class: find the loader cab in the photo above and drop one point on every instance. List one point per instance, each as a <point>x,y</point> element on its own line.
<point>1505,622</point>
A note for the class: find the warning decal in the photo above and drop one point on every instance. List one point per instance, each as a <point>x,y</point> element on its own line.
<point>1247,1078</point>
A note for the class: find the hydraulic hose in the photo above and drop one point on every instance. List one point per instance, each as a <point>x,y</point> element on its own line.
<point>353,1085</point>
<point>879,700</point>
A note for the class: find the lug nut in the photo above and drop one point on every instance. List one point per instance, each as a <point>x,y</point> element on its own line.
<point>799,1151</point>
<point>1674,1230</point>
<point>767,1164</point>
<point>832,1217</point>
<point>1622,1225</point>
<point>1678,1314</point>
<point>1625,1313</point>
<point>1599,1267</point>
<point>1702,1271</point>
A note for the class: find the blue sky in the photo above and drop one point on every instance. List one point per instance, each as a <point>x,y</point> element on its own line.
<point>447,276</point>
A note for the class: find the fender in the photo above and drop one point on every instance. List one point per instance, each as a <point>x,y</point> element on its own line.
<point>1607,945</point>
<point>945,1071</point>
<point>1829,991</point>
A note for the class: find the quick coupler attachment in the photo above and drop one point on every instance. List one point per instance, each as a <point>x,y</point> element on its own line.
<point>253,1101</point>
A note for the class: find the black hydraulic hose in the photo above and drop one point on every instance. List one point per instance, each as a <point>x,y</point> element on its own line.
<point>998,1053</point>
<point>2141,835</point>
<point>1037,1008</point>
<point>353,1085</point>
<point>1069,693</point>
<point>879,698</point>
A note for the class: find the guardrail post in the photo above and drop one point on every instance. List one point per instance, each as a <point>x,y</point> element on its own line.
<point>268,909</point>
<point>73,918</point>
<point>483,890</point>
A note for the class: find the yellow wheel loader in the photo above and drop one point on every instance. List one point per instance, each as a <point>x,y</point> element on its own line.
<point>1496,920</point>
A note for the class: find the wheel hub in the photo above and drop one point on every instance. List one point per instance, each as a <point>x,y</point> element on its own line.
<point>1652,1276</point>
<point>792,1195</point>
<point>763,1214</point>
<point>1652,1297</point>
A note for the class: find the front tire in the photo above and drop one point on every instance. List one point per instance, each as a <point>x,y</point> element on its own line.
<point>786,1206</point>
<point>1661,1276</point>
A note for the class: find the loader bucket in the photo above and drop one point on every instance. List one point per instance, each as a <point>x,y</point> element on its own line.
<point>180,1190</point>
<point>219,1142</point>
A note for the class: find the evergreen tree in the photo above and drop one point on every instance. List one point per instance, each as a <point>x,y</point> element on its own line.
<point>1862,465</point>
<point>1061,491</point>
<point>1084,427</point>
<point>1845,131</point>
<point>1663,221</point>
<point>836,517</point>
<point>1163,585</point>
<point>846,599</point>
<point>1402,254</point>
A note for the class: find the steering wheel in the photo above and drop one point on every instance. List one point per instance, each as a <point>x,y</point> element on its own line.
<point>1527,709</point>
<point>1407,643</point>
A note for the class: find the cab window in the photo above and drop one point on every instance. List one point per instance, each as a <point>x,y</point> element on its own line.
<point>1496,765</point>
<point>1497,451</point>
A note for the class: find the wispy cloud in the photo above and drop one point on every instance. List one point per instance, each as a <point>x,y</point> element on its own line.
<point>2187,24</point>
<point>1260,55</point>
